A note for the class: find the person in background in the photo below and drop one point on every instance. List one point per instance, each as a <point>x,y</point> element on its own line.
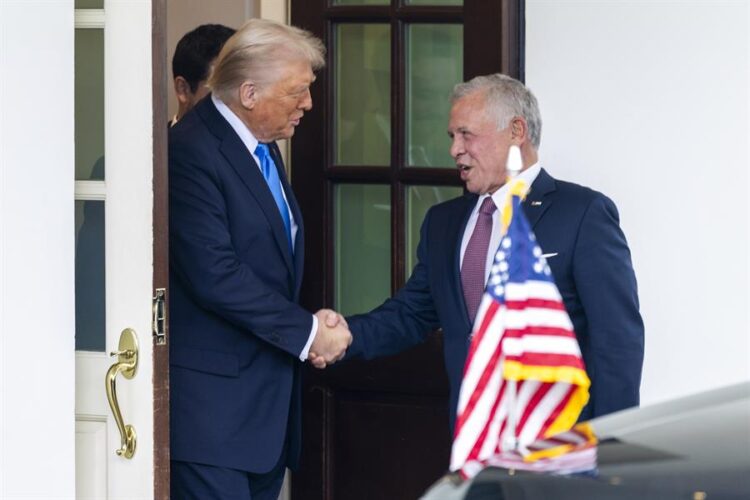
<point>192,61</point>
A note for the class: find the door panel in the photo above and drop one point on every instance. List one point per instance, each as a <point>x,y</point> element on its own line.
<point>91,457</point>
<point>363,94</point>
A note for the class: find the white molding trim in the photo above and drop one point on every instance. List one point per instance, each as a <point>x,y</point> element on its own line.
<point>86,417</point>
<point>89,18</point>
<point>91,190</point>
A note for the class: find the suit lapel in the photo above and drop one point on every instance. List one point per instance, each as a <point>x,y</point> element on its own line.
<point>243,163</point>
<point>538,201</point>
<point>299,240</point>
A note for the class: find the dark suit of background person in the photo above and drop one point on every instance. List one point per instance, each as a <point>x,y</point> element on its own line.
<point>592,270</point>
<point>237,333</point>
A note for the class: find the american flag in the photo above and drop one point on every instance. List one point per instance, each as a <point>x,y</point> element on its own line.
<point>524,377</point>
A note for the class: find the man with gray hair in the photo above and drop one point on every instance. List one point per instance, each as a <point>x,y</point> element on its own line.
<point>237,334</point>
<point>576,227</point>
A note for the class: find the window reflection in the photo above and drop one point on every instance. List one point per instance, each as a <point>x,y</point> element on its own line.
<point>363,246</point>
<point>363,94</point>
<point>434,65</point>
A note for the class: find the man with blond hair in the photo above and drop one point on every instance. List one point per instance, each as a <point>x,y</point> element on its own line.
<point>238,336</point>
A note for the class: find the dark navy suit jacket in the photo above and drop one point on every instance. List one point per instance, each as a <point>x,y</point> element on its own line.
<point>236,331</point>
<point>592,270</point>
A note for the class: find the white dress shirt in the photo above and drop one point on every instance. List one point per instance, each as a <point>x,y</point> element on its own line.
<point>250,142</point>
<point>499,197</point>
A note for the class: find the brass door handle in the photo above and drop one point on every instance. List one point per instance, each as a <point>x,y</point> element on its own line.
<point>127,364</point>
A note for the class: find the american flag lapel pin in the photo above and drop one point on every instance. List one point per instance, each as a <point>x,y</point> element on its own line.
<point>536,203</point>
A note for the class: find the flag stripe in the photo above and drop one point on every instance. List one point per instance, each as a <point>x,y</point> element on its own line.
<point>537,329</point>
<point>520,305</point>
<point>533,402</point>
<point>519,319</point>
<point>462,448</point>
<point>531,288</point>
<point>558,409</point>
<point>482,439</point>
<point>491,310</point>
<point>479,389</point>
<point>537,418</point>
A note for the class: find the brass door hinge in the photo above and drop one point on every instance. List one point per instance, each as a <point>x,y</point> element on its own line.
<point>159,319</point>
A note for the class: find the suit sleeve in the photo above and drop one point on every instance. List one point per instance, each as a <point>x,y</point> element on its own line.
<point>204,259</point>
<point>607,288</point>
<point>402,321</point>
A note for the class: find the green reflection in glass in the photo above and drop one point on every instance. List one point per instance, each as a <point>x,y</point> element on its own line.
<point>89,4</point>
<point>362,214</point>
<point>363,94</point>
<point>434,65</point>
<point>89,103</point>
<point>418,200</point>
<point>89,270</point>
<point>434,2</point>
<point>361,2</point>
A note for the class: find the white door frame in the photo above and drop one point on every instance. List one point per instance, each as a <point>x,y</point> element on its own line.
<point>128,240</point>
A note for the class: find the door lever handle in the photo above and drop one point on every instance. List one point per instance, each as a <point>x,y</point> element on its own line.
<point>127,364</point>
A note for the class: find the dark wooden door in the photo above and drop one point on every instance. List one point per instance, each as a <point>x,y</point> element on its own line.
<point>367,162</point>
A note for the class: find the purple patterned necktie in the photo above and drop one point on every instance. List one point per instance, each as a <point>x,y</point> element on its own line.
<point>475,258</point>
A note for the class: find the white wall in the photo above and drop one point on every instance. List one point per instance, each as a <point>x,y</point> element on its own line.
<point>648,103</point>
<point>36,250</point>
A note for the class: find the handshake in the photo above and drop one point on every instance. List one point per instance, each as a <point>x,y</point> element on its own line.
<point>332,339</point>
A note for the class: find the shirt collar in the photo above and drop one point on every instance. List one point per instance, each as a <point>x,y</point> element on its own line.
<point>247,138</point>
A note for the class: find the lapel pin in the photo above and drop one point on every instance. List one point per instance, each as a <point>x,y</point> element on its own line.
<point>536,203</point>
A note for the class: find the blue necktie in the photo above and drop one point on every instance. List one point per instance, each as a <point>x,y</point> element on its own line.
<point>271,174</point>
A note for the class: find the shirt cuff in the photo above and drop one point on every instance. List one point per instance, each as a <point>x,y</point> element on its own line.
<point>306,351</point>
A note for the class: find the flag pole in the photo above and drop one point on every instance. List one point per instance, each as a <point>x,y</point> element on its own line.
<point>513,167</point>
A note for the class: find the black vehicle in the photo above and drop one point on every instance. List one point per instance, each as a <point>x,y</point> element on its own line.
<point>692,448</point>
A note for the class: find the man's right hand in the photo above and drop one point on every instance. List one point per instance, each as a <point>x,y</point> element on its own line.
<point>331,340</point>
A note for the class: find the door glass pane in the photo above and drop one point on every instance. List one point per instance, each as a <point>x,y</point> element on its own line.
<point>434,2</point>
<point>362,215</point>
<point>89,4</point>
<point>363,94</point>
<point>89,219</point>
<point>434,64</point>
<point>418,200</point>
<point>89,103</point>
